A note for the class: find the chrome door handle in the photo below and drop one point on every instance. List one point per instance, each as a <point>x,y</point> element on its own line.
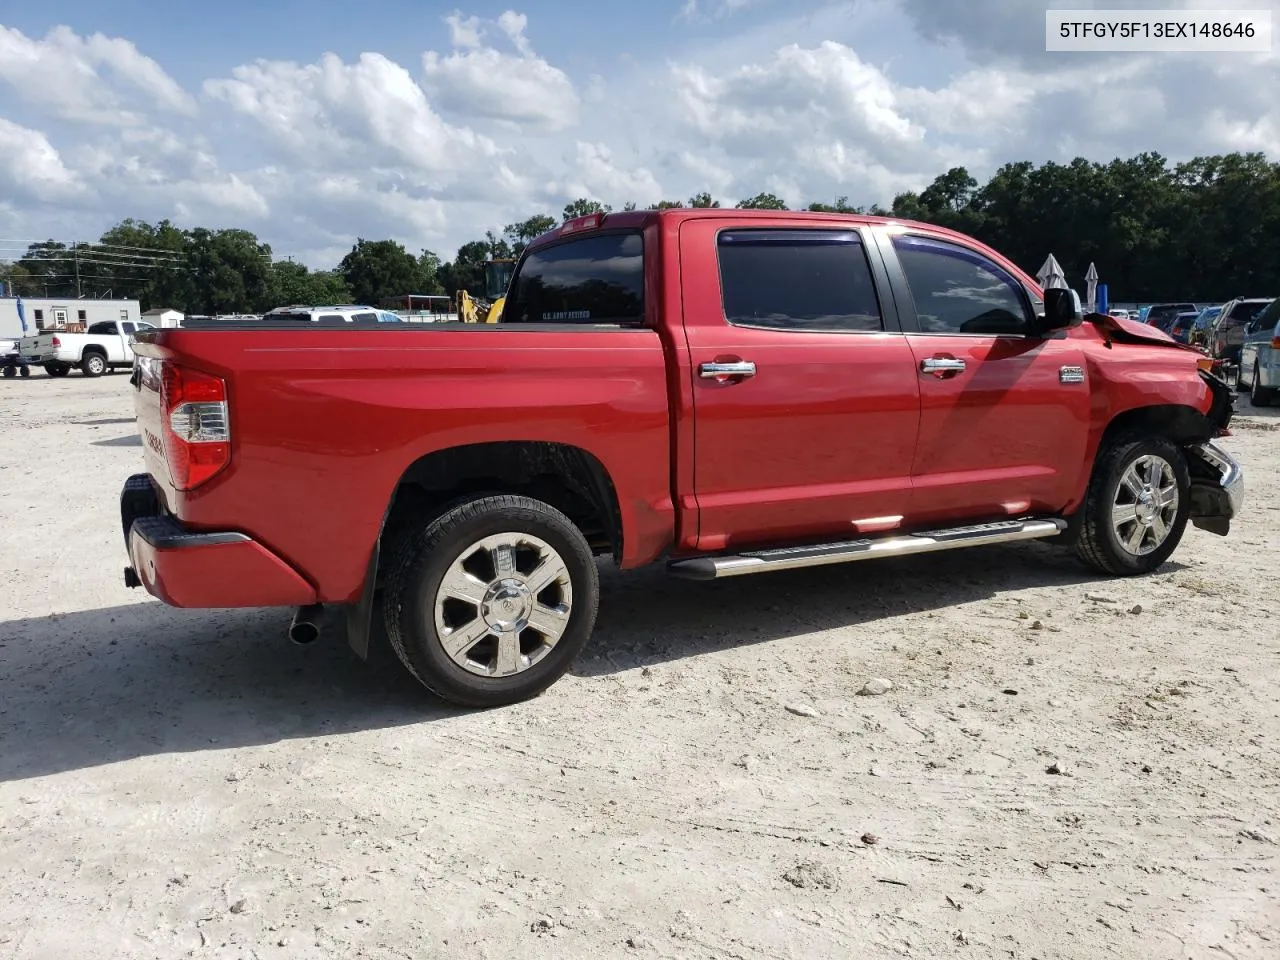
<point>740,368</point>
<point>941,365</point>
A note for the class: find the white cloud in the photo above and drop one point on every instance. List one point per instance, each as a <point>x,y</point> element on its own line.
<point>594,172</point>
<point>712,9</point>
<point>33,169</point>
<point>463,33</point>
<point>313,151</point>
<point>95,79</point>
<point>482,82</point>
<point>370,113</point>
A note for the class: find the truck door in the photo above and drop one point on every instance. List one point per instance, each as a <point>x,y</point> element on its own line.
<point>1004,418</point>
<point>804,393</point>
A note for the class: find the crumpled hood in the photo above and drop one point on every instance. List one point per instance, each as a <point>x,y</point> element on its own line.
<point>1133,331</point>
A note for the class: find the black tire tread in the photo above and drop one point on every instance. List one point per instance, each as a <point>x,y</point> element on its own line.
<point>1092,546</point>
<point>1260,396</point>
<point>415,541</point>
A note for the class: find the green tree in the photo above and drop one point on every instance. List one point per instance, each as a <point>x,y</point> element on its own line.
<point>702,200</point>
<point>377,269</point>
<point>762,201</point>
<point>230,272</point>
<point>521,234</point>
<point>143,261</point>
<point>667,205</point>
<point>583,207</point>
<point>293,283</point>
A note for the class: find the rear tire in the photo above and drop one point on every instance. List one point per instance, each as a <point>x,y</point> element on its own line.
<point>1260,396</point>
<point>57,369</point>
<point>93,364</point>
<point>10,372</point>
<point>491,601</point>
<point>1136,508</point>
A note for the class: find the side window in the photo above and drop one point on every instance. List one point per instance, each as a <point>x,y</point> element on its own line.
<point>331,318</point>
<point>592,279</point>
<point>959,291</point>
<point>367,317</point>
<point>81,315</point>
<point>99,329</point>
<point>128,327</point>
<point>797,280</point>
<point>39,314</point>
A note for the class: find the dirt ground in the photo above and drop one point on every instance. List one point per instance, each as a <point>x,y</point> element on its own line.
<point>1066,767</point>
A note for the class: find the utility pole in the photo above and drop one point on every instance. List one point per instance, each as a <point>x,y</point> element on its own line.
<point>75,249</point>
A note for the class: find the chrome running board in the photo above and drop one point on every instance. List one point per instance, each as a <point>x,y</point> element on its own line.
<point>715,567</point>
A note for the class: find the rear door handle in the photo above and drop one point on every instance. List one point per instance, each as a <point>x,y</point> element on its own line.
<point>721,371</point>
<point>941,365</point>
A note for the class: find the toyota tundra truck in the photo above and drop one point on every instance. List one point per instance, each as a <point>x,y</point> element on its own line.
<point>726,392</point>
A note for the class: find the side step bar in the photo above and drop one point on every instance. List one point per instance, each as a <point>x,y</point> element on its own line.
<point>718,566</point>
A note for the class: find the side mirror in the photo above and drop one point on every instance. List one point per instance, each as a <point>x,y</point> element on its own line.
<point>1061,310</point>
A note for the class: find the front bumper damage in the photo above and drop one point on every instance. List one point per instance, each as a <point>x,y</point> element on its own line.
<point>1217,487</point>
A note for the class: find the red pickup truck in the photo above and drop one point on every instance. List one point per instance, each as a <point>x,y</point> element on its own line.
<point>732,392</point>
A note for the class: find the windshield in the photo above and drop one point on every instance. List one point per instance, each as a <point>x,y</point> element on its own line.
<point>1244,311</point>
<point>497,277</point>
<point>1207,316</point>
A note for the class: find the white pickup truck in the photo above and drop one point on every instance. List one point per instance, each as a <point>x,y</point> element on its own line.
<point>104,346</point>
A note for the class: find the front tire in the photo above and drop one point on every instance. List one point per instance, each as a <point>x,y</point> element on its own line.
<point>490,603</point>
<point>1260,396</point>
<point>1136,508</point>
<point>93,365</point>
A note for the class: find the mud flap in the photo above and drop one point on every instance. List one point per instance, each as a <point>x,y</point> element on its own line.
<point>359,615</point>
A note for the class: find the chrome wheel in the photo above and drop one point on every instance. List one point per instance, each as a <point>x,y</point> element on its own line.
<point>503,604</point>
<point>1145,505</point>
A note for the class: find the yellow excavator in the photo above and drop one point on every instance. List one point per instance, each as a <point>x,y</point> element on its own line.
<point>497,276</point>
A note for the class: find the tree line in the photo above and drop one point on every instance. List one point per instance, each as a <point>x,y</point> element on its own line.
<point>1207,229</point>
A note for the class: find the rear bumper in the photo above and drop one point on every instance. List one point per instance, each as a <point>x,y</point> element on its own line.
<point>1217,488</point>
<point>187,568</point>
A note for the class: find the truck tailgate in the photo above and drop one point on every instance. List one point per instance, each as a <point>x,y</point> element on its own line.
<point>147,407</point>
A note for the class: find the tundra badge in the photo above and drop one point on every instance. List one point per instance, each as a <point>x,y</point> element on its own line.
<point>1071,375</point>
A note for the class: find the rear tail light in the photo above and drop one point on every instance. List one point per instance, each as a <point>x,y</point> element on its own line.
<point>197,442</point>
<point>56,342</point>
<point>1275,343</point>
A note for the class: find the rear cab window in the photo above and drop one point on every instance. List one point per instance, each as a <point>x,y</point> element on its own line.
<point>595,279</point>
<point>797,279</point>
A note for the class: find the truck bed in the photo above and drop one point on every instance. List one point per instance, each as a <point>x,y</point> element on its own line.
<point>360,406</point>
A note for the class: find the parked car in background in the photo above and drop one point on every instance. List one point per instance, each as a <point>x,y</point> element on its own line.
<point>1228,332</point>
<point>1161,315</point>
<point>11,362</point>
<point>105,346</point>
<point>345,313</point>
<point>1180,327</point>
<point>1203,324</point>
<point>1259,370</point>
<point>1142,314</point>
<point>1121,314</point>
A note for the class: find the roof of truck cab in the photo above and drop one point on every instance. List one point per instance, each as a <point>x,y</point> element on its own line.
<point>639,219</point>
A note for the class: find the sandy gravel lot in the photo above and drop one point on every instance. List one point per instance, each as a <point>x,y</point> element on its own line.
<point>181,784</point>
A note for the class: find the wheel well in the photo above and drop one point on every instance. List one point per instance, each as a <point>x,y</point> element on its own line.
<point>566,477</point>
<point>93,348</point>
<point>1176,422</point>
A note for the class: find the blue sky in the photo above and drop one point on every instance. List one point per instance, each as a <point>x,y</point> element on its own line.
<point>313,123</point>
